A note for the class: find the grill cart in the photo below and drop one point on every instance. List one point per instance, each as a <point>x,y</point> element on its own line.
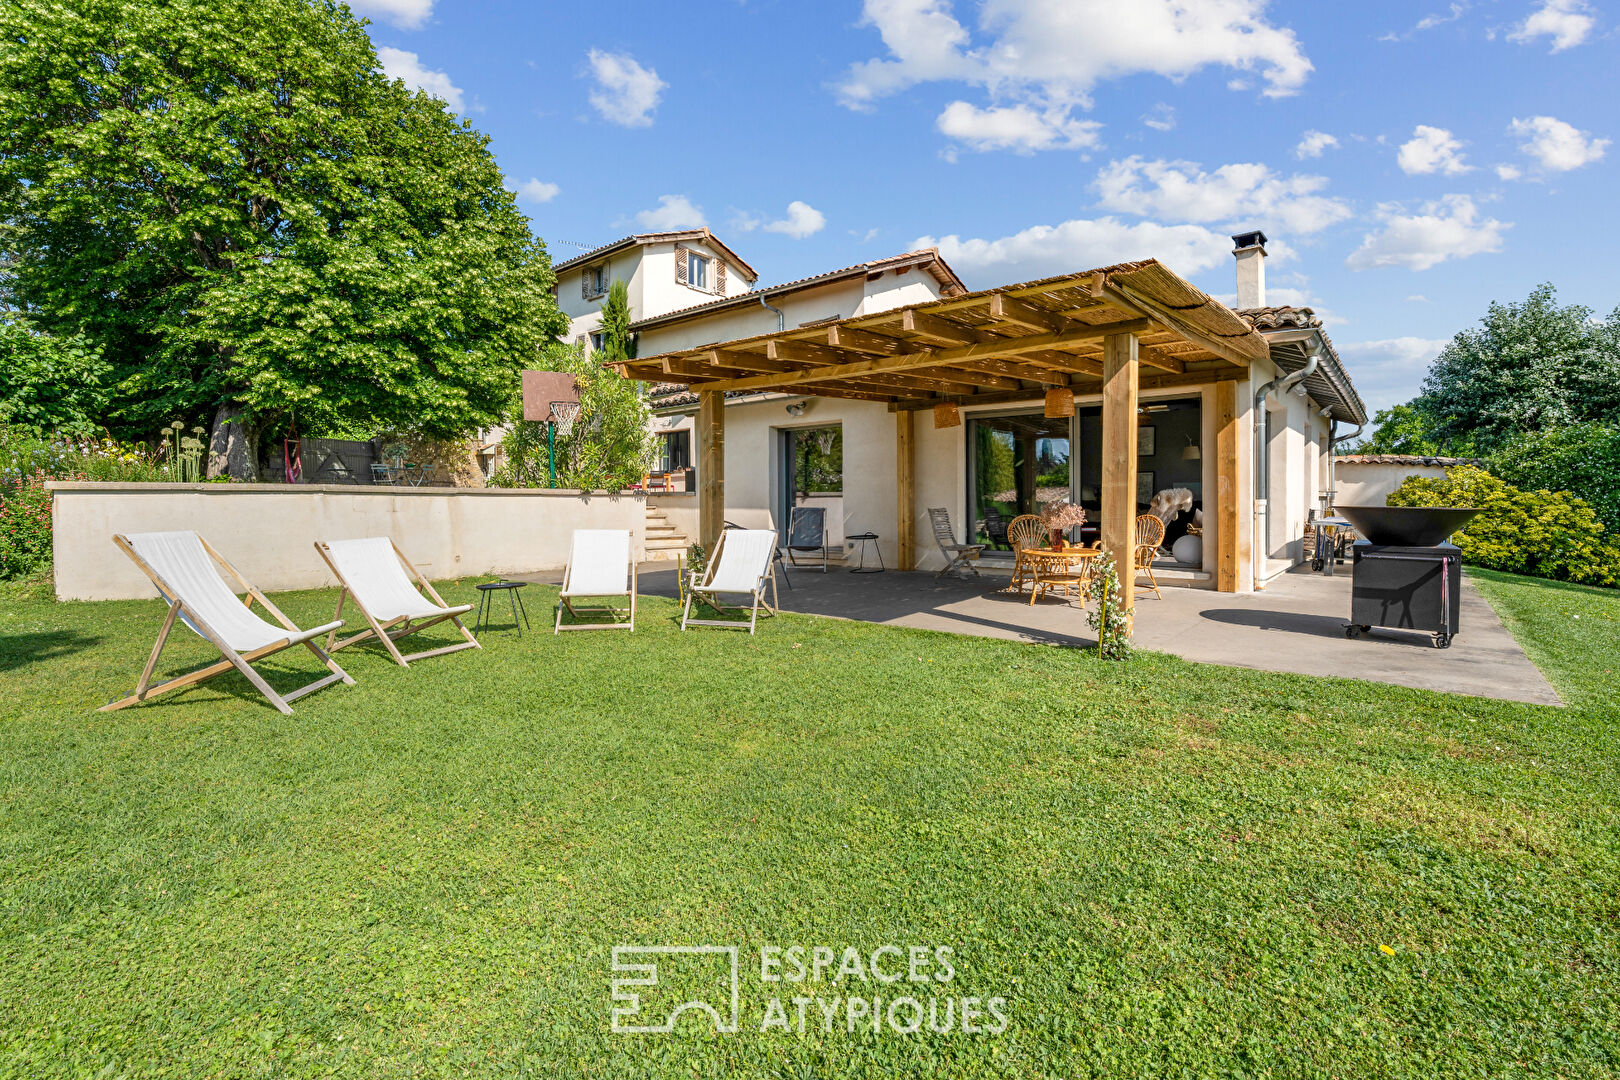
<point>1406,577</point>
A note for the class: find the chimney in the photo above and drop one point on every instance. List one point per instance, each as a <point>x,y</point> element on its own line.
<point>1250,251</point>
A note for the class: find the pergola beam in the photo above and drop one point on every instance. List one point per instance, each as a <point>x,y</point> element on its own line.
<point>912,361</point>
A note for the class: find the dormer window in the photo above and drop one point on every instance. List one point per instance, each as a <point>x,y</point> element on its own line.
<point>698,271</point>
<point>594,282</point>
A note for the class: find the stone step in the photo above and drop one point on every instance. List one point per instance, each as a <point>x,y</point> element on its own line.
<point>673,543</point>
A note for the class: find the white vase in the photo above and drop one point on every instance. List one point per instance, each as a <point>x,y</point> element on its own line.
<point>1189,551</point>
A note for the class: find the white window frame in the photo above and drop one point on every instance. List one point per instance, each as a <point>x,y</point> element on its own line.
<point>697,271</point>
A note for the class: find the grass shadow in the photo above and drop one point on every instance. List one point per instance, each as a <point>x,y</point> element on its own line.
<point>19,649</point>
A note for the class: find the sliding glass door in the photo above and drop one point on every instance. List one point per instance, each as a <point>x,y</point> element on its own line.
<point>1018,461</point>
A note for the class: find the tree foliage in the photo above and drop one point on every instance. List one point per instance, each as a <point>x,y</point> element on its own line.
<point>1402,429</point>
<point>233,203</point>
<point>618,343</point>
<point>51,384</point>
<point>1583,460</point>
<point>609,447</point>
<point>1528,366</point>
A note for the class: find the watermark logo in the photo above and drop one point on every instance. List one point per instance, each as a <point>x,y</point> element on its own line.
<point>893,989</point>
<point>701,978</point>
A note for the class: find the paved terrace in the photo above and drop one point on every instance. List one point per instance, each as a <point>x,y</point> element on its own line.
<point>1296,624</point>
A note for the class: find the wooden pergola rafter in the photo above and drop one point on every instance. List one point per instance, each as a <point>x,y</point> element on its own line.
<point>1092,333</point>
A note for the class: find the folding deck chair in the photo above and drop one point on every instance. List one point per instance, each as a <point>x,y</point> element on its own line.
<point>600,566</point>
<point>807,535</point>
<point>740,566</point>
<point>958,557</point>
<point>378,575</point>
<point>182,566</point>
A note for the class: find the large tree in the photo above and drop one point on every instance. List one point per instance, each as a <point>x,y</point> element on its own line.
<point>1528,366</point>
<point>232,202</point>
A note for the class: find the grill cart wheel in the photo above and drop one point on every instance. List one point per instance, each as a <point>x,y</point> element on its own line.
<point>1352,631</point>
<point>1442,641</point>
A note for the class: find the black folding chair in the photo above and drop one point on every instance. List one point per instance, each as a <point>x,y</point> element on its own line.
<point>807,533</point>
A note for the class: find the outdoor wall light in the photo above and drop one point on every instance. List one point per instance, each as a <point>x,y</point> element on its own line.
<point>797,408</point>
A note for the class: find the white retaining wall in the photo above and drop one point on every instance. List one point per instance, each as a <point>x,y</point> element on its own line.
<point>268,531</point>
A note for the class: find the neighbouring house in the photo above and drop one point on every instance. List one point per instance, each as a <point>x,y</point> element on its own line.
<point>1367,479</point>
<point>887,388</point>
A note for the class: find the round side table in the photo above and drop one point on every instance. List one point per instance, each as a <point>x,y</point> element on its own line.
<point>486,603</point>
<point>864,539</point>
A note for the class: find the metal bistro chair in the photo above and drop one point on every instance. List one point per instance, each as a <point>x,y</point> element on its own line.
<point>1149,535</point>
<point>1024,531</point>
<point>807,533</point>
<point>958,557</point>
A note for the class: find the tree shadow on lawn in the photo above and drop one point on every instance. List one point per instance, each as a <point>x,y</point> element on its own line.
<point>18,650</point>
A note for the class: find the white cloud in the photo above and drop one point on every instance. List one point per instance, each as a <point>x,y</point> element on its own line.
<point>1450,228</point>
<point>405,14</point>
<point>399,64</point>
<point>1558,146</point>
<point>1241,193</point>
<point>1567,22</point>
<point>1044,57</point>
<point>1161,117</point>
<point>802,220</point>
<point>1508,172</point>
<point>1081,244</point>
<point>1018,128</point>
<point>1417,298</point>
<point>743,221</point>
<point>626,93</point>
<point>1389,371</point>
<point>672,212</point>
<point>1313,143</point>
<point>1432,150</point>
<point>537,191</point>
<point>1429,22</point>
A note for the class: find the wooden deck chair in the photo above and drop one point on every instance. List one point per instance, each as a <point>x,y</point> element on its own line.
<point>958,557</point>
<point>600,566</point>
<point>182,566</point>
<point>379,577</point>
<point>740,566</point>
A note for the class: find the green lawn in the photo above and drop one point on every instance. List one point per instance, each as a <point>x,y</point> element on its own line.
<point>1166,869</point>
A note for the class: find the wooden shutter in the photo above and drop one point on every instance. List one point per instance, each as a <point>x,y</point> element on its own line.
<point>680,265</point>
<point>585,284</point>
<point>719,277</point>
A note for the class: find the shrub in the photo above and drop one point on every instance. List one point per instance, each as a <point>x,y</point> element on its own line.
<point>1542,533</point>
<point>1582,459</point>
<point>25,529</point>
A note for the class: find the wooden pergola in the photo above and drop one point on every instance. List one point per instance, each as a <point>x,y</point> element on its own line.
<point>1113,332</point>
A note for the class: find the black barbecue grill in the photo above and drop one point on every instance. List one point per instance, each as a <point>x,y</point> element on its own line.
<point>1406,577</point>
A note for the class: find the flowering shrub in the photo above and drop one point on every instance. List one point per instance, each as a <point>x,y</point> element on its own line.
<point>25,529</point>
<point>1108,617</point>
<point>1543,533</point>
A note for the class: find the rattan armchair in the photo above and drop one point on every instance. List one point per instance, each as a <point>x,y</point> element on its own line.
<point>1023,531</point>
<point>1149,535</point>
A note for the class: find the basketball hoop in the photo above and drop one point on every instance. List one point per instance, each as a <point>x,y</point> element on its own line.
<point>564,413</point>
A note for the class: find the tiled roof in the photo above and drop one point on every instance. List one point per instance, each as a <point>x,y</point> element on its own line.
<point>940,268</point>
<point>1281,318</point>
<point>657,238</point>
<point>1404,459</point>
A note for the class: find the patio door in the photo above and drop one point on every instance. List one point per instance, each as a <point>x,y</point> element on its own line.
<point>813,475</point>
<point>1018,461</point>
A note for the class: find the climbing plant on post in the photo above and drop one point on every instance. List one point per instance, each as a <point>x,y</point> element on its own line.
<point>1108,617</point>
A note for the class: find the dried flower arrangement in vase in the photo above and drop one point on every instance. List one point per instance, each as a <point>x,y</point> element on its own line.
<point>1059,516</point>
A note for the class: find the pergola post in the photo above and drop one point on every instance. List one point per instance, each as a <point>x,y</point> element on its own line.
<point>711,433</point>
<point>905,476</point>
<point>1119,424</point>
<point>1231,553</point>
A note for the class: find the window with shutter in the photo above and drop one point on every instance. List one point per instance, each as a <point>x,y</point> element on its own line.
<point>680,265</point>
<point>585,284</point>
<point>719,277</point>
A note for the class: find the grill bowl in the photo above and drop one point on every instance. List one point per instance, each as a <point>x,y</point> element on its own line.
<point>1407,526</point>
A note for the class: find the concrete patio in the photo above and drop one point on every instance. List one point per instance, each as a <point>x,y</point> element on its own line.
<point>1296,624</point>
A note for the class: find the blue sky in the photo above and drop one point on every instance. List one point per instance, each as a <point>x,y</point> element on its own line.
<point>1411,161</point>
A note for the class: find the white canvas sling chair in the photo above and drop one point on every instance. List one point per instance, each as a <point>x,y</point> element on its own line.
<point>599,567</point>
<point>378,575</point>
<point>740,566</point>
<point>182,566</point>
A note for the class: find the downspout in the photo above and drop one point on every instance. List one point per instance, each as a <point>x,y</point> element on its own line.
<point>1262,462</point>
<point>781,319</point>
<point>1333,444</point>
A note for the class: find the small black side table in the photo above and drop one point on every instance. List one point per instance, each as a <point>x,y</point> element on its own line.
<point>867,538</point>
<point>486,604</point>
